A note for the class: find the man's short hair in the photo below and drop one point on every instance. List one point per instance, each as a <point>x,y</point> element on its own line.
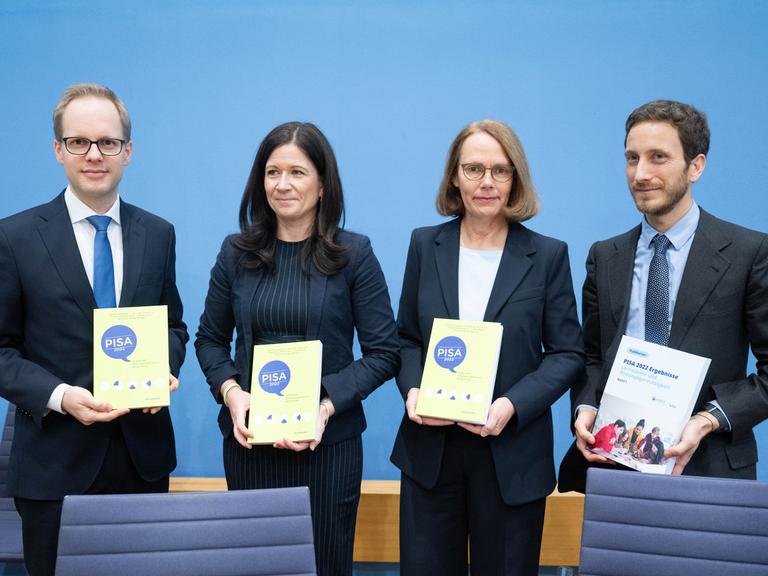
<point>83,90</point>
<point>691,124</point>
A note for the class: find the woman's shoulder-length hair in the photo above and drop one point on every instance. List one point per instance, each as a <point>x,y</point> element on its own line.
<point>523,201</point>
<point>258,222</point>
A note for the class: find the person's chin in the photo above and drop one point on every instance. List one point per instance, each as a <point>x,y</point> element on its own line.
<point>286,214</point>
<point>645,206</point>
<point>654,208</point>
<point>96,191</point>
<point>487,209</point>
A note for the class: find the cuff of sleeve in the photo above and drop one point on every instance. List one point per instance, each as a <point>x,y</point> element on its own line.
<point>220,377</point>
<point>54,402</point>
<point>714,408</point>
<point>587,406</point>
<point>340,404</point>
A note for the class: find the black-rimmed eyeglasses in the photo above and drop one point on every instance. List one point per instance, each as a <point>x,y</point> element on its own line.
<point>499,172</point>
<point>81,146</point>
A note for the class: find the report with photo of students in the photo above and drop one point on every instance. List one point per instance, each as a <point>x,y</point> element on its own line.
<point>130,356</point>
<point>648,399</point>
<point>285,391</point>
<point>460,370</point>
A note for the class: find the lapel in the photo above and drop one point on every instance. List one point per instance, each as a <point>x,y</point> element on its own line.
<point>514,265</point>
<point>621,265</point>
<point>447,264</point>
<point>55,228</point>
<point>704,268</point>
<point>317,285</point>
<point>134,242</point>
<point>249,279</point>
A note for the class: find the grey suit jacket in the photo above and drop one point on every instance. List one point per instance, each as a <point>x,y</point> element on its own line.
<point>721,310</point>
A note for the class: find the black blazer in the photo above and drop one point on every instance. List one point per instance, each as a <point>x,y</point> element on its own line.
<point>541,350</point>
<point>46,338</point>
<point>356,298</point>
<point>721,309</point>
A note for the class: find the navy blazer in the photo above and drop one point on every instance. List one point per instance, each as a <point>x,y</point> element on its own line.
<point>541,351</point>
<point>46,338</point>
<point>356,298</point>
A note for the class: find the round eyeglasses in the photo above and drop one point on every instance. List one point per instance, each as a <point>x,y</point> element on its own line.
<point>80,146</point>
<point>499,172</point>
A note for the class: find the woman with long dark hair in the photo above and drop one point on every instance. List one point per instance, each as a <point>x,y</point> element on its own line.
<point>292,274</point>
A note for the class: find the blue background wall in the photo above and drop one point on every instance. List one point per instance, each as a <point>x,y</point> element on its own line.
<point>390,84</point>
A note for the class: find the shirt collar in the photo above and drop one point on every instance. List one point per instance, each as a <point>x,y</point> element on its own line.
<point>680,233</point>
<point>79,211</point>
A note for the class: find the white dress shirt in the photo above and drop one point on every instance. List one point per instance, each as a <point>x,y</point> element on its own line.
<point>681,238</point>
<point>477,273</point>
<point>85,234</point>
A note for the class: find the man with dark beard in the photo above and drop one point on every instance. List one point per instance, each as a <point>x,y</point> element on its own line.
<point>682,279</point>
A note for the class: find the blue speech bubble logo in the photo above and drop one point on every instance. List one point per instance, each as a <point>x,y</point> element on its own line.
<point>450,352</point>
<point>274,376</point>
<point>119,342</point>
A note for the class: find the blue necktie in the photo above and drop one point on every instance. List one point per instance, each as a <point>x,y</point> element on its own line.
<point>657,294</point>
<point>103,269</point>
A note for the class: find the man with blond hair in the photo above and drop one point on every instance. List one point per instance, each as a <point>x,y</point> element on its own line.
<point>85,249</point>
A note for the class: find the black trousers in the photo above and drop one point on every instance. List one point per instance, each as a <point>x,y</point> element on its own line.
<point>466,504</point>
<point>40,519</point>
<point>333,474</point>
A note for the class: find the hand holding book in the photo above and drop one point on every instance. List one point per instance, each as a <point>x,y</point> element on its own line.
<point>585,420</point>
<point>459,372</point>
<point>653,387</point>
<point>131,356</point>
<point>239,402</point>
<point>81,405</point>
<point>324,412</point>
<point>700,424</point>
<point>285,395</point>
<point>173,385</point>
<point>499,414</point>
<point>410,406</point>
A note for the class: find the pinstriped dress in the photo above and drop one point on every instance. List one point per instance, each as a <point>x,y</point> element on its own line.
<point>333,472</point>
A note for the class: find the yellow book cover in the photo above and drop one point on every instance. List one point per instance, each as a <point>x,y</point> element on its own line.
<point>460,370</point>
<point>130,356</point>
<point>285,391</point>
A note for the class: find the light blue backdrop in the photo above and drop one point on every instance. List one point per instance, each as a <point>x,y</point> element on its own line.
<point>390,83</point>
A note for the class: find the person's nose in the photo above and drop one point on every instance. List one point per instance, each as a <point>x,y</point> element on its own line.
<point>487,180</point>
<point>643,170</point>
<point>284,182</point>
<point>93,153</point>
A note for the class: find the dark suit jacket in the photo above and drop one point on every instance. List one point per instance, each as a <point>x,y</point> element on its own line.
<point>721,308</point>
<point>356,298</point>
<point>541,350</point>
<point>46,338</point>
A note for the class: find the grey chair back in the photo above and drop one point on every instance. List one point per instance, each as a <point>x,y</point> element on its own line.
<point>238,533</point>
<point>10,524</point>
<point>5,449</point>
<point>639,524</point>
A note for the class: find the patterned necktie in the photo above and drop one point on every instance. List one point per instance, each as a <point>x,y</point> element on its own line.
<point>103,269</point>
<point>657,294</point>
